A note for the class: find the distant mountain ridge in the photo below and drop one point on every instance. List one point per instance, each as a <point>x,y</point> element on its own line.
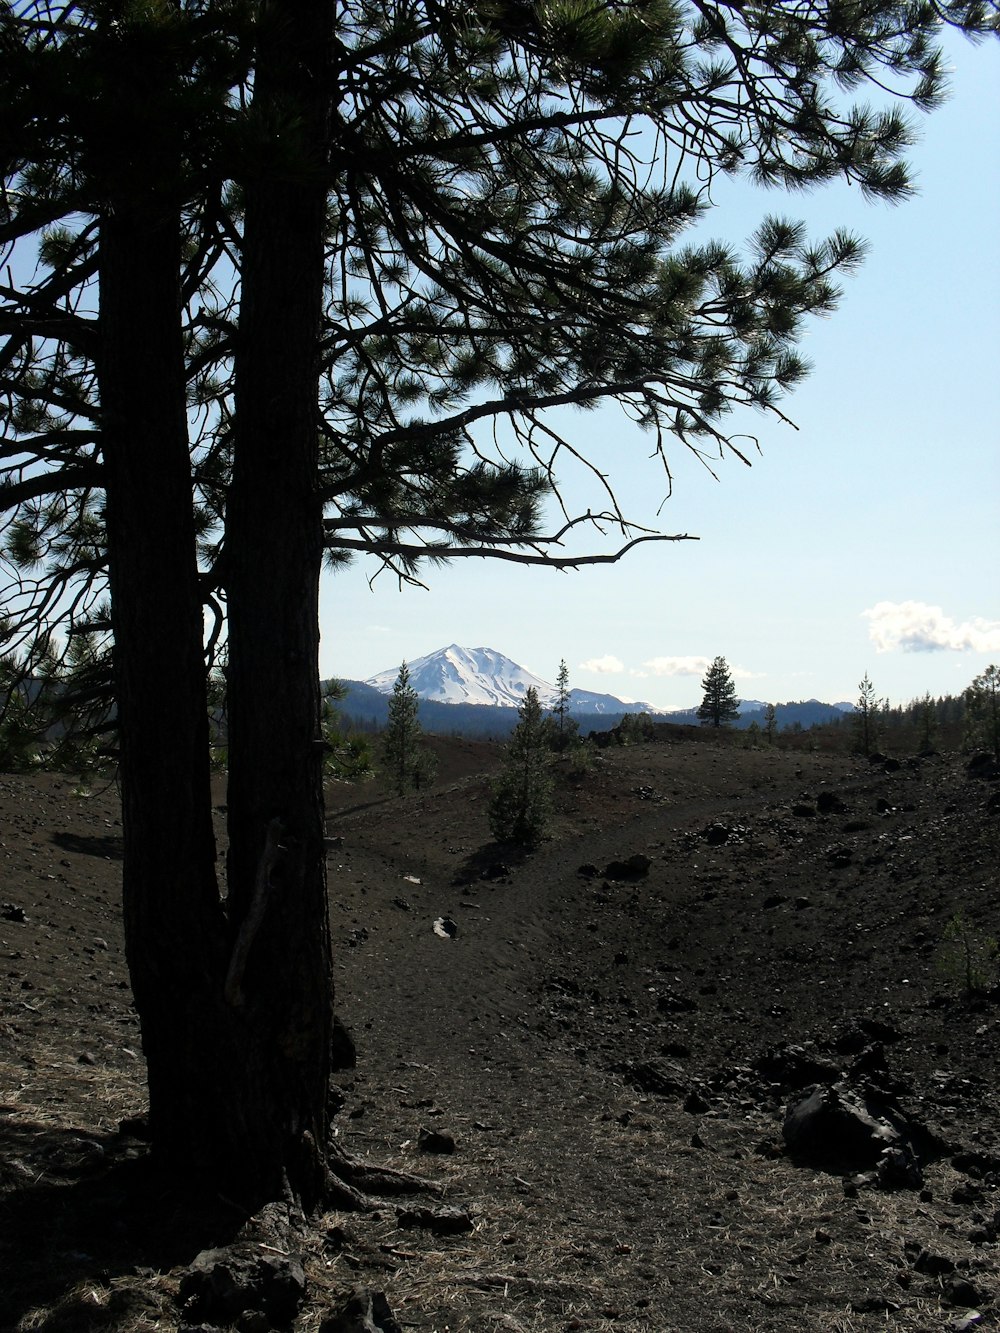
<point>477,692</point>
<point>803,712</point>
<point>486,678</point>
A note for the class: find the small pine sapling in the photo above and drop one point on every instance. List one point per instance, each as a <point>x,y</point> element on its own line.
<point>521,802</point>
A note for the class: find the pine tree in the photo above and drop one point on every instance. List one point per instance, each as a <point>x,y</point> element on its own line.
<point>982,711</point>
<point>407,761</point>
<point>264,299</point>
<point>562,727</point>
<point>927,724</point>
<point>770,723</point>
<point>521,802</point>
<point>867,717</point>
<point>348,754</point>
<point>19,728</point>
<point>719,705</point>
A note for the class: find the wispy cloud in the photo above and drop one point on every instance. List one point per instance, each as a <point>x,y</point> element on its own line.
<point>689,666</point>
<point>915,627</point>
<point>677,666</point>
<point>603,666</point>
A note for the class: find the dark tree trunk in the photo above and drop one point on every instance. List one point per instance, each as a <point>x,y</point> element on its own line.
<point>234,995</point>
<point>280,985</point>
<point>173,920</point>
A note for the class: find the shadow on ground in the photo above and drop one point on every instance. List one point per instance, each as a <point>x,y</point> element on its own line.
<point>82,1209</point>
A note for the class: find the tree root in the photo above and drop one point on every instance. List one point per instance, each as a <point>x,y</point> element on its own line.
<point>350,1181</point>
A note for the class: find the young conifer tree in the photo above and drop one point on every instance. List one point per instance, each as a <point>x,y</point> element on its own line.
<point>925,716</point>
<point>521,804</point>
<point>867,713</point>
<point>770,723</point>
<point>405,758</point>
<point>562,727</point>
<point>719,705</point>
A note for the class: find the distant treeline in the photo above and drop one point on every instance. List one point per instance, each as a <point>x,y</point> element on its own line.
<point>365,710</point>
<point>904,727</point>
<point>41,727</point>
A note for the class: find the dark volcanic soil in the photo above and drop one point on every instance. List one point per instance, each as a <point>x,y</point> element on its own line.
<point>612,1053</point>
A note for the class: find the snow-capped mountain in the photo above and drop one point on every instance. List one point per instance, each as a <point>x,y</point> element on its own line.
<point>483,676</point>
<point>467,676</point>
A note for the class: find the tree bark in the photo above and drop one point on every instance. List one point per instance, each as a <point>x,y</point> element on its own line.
<point>280,988</point>
<point>234,994</point>
<point>173,919</point>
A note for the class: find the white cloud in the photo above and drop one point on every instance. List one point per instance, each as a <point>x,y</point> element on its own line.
<point>690,666</point>
<point>678,666</point>
<point>603,666</point>
<point>915,627</point>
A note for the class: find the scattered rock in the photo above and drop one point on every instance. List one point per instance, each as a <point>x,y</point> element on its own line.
<point>840,1129</point>
<point>695,1103</point>
<point>445,927</point>
<point>253,1321</point>
<point>851,1042</point>
<point>634,867</point>
<point>448,1221</point>
<point>715,835</point>
<point>873,1305</point>
<point>933,1264</point>
<point>983,766</point>
<point>657,1076</point>
<point>672,1002</point>
<point>839,857</point>
<point>677,1050</point>
<point>966,1322</point>
<point>880,1030</point>
<point>978,1165</point>
<point>829,803</point>
<point>794,1067</point>
<point>898,1169</point>
<point>433,1140</point>
<point>363,1311</point>
<point>220,1285</point>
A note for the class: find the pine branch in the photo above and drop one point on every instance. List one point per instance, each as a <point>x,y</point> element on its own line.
<point>443,552</point>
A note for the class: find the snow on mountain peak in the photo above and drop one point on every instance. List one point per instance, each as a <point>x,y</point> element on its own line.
<point>456,675</point>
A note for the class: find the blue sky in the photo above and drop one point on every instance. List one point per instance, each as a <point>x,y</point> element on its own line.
<point>866,540</point>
